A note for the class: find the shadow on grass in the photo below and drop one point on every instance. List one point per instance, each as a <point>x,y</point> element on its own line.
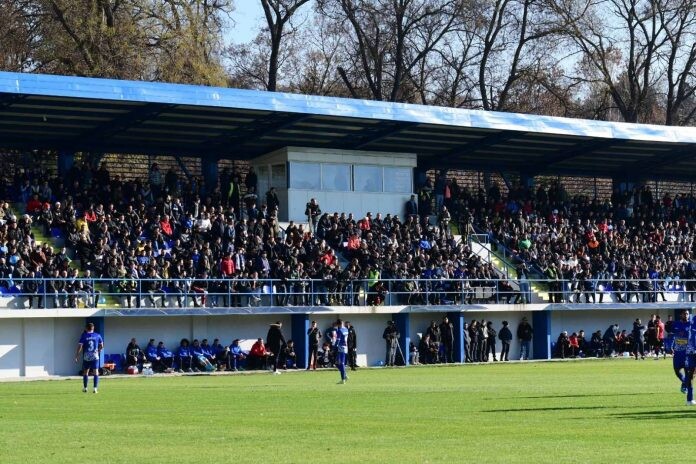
<point>555,408</point>
<point>588,395</point>
<point>657,415</point>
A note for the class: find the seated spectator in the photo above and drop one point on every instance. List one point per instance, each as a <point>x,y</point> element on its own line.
<point>573,345</point>
<point>236,356</point>
<point>583,345</point>
<point>220,354</point>
<point>134,355</point>
<point>562,345</point>
<point>326,356</point>
<point>596,345</point>
<point>161,358</point>
<point>288,357</point>
<point>413,353</point>
<point>200,358</point>
<point>258,355</point>
<point>428,350</point>
<point>184,356</point>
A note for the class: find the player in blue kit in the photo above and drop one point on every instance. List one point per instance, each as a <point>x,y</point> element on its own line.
<point>90,344</point>
<point>690,363</point>
<point>340,343</point>
<point>680,343</point>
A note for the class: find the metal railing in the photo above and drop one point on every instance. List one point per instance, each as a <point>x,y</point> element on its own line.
<point>187,293</point>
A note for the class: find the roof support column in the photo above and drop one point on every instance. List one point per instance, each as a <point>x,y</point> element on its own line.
<point>66,160</point>
<point>527,180</point>
<point>209,168</point>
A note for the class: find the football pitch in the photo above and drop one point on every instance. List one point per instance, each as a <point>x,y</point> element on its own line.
<point>589,411</point>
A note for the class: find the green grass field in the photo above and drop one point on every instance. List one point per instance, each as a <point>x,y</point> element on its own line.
<point>590,411</point>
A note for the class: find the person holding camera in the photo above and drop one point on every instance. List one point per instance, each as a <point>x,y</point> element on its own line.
<point>391,336</point>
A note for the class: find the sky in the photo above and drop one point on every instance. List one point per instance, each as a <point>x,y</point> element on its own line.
<point>247,18</point>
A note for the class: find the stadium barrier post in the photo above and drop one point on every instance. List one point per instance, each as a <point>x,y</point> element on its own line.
<point>403,324</point>
<point>457,320</point>
<point>299,325</point>
<point>541,341</point>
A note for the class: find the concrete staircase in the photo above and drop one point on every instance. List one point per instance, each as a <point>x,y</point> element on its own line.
<point>502,263</point>
<point>58,242</point>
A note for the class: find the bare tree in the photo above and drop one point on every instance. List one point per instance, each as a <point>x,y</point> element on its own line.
<point>518,46</point>
<point>678,20</point>
<point>620,42</point>
<point>278,14</point>
<point>17,35</point>
<point>386,40</point>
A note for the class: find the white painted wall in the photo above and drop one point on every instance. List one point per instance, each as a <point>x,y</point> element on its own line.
<point>41,346</point>
<point>346,202</point>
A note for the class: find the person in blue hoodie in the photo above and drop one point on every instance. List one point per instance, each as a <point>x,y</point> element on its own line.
<point>221,353</point>
<point>200,359</point>
<point>160,357</point>
<point>236,356</point>
<point>209,352</point>
<point>166,355</point>
<point>184,356</point>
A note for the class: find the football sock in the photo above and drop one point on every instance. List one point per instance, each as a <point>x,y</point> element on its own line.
<point>342,369</point>
<point>681,376</point>
<point>96,381</point>
<point>85,380</point>
<point>690,394</point>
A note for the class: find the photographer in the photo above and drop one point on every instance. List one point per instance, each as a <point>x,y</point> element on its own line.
<point>391,337</point>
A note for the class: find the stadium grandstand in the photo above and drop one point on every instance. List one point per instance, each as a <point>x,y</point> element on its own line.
<point>175,209</point>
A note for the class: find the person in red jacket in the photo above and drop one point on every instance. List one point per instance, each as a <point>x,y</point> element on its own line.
<point>574,344</point>
<point>166,226</point>
<point>660,328</point>
<point>258,355</point>
<point>34,204</point>
<point>227,268</point>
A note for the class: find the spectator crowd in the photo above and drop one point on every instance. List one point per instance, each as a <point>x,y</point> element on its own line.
<point>168,239</point>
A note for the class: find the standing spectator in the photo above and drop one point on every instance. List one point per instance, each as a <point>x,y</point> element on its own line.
<point>524,334</point>
<point>391,337</point>
<point>651,333</point>
<point>313,211</point>
<point>272,202</point>
<point>251,181</point>
<point>275,341</point>
<point>315,337</point>
<point>412,207</point>
<point>609,338</point>
<point>467,343</point>
<point>505,337</point>
<point>638,339</point>
<point>660,336</point>
<point>669,337</point>
<point>473,340</point>
<point>447,339</point>
<point>491,339</point>
<point>155,179</point>
<point>352,346</point>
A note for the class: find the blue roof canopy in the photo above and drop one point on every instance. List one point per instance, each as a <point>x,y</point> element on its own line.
<point>111,116</point>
